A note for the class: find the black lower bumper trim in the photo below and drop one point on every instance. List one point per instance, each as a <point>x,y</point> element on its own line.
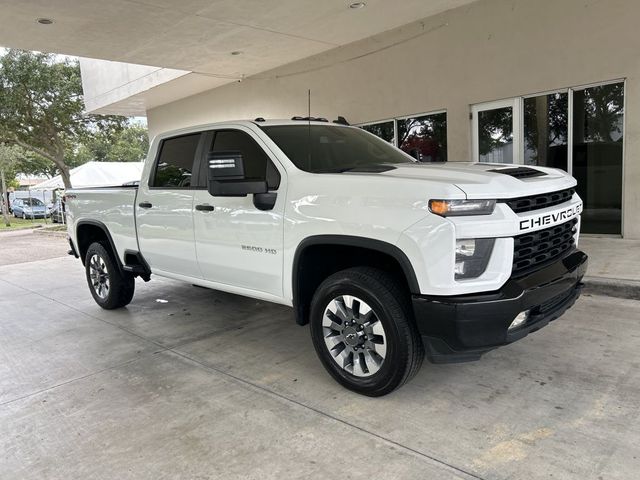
<point>463,328</point>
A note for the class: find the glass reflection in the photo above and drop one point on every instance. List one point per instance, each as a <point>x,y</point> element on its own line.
<point>598,122</point>
<point>424,137</point>
<point>495,135</point>
<point>546,126</point>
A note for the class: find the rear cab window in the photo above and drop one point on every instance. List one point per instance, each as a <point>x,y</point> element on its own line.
<point>174,165</point>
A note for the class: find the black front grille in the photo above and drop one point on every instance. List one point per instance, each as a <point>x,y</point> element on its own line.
<point>535,250</point>
<point>536,202</point>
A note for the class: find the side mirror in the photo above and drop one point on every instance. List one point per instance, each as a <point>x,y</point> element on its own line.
<point>227,178</point>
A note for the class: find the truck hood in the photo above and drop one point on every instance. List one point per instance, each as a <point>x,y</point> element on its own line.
<point>487,180</point>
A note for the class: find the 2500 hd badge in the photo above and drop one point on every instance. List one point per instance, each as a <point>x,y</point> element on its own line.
<point>549,218</point>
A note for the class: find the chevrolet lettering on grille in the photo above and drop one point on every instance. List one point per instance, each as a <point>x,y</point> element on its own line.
<point>550,218</point>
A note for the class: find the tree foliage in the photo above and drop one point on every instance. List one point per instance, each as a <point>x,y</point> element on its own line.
<point>10,155</point>
<point>41,110</point>
<point>129,144</point>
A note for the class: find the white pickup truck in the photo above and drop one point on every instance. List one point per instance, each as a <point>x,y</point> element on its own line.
<point>385,257</point>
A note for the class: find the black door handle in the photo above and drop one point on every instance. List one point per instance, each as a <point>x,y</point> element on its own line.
<point>145,205</point>
<point>205,208</point>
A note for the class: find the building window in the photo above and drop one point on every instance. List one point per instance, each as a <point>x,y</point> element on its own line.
<point>384,130</point>
<point>598,122</point>
<point>495,134</point>
<point>424,137</point>
<point>546,130</point>
<point>579,130</point>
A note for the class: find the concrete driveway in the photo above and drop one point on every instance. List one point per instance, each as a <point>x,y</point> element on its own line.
<point>192,383</point>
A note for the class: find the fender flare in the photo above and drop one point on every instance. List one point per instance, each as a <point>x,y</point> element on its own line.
<point>104,228</point>
<point>351,241</point>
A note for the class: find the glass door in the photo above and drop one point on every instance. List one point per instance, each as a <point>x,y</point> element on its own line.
<point>497,132</point>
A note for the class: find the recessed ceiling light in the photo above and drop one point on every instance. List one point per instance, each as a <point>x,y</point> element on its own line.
<point>237,52</point>
<point>44,21</point>
<point>355,5</point>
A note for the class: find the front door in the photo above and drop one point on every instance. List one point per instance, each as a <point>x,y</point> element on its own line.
<point>164,209</point>
<point>237,244</point>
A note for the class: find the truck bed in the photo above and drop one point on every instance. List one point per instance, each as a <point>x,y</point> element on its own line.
<point>111,206</point>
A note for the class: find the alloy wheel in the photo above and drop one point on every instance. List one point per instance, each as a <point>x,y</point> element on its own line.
<point>354,335</point>
<point>99,275</point>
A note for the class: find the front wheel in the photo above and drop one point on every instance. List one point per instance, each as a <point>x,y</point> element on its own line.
<point>111,288</point>
<point>363,331</point>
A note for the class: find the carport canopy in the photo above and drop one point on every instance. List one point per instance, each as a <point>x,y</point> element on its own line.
<point>195,45</point>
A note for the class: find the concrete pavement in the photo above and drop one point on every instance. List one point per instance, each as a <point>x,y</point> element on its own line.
<point>614,266</point>
<point>211,385</point>
<point>21,246</point>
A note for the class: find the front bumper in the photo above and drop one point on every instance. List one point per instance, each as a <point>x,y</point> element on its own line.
<point>464,327</point>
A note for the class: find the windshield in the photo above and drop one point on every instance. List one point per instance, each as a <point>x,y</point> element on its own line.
<point>33,202</point>
<point>330,149</point>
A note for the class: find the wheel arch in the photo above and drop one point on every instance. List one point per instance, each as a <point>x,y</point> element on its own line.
<point>312,264</point>
<point>89,231</point>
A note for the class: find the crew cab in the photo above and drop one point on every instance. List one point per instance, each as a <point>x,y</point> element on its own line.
<point>386,258</point>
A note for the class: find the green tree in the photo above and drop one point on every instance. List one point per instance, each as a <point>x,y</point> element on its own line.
<point>129,144</point>
<point>10,155</point>
<point>41,108</point>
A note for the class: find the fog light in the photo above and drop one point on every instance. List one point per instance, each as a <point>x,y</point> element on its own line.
<point>472,257</point>
<point>520,320</point>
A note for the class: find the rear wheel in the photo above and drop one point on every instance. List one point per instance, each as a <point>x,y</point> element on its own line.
<point>363,331</point>
<point>111,288</point>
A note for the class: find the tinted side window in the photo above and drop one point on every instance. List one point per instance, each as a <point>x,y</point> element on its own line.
<point>257,165</point>
<point>175,162</point>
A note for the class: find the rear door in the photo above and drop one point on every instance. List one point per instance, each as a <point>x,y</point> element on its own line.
<point>237,244</point>
<point>164,208</point>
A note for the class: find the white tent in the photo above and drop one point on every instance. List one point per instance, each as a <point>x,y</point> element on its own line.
<point>96,174</point>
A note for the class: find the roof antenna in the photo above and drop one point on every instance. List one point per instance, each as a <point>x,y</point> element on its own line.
<point>309,130</point>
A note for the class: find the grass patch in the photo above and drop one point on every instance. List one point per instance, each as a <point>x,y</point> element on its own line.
<point>19,223</point>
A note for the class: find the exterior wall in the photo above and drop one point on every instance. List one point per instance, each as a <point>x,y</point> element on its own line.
<point>488,50</point>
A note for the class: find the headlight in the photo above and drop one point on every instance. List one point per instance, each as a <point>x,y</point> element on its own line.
<point>451,208</point>
<point>472,257</point>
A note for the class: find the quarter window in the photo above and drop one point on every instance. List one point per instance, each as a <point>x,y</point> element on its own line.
<point>175,162</point>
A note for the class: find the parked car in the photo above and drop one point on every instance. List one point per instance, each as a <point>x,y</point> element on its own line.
<point>387,258</point>
<point>29,208</point>
<point>57,212</point>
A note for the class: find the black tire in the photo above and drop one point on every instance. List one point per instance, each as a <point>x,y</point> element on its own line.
<point>121,284</point>
<point>391,305</point>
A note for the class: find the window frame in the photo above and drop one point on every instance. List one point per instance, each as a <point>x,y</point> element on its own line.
<point>196,162</point>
